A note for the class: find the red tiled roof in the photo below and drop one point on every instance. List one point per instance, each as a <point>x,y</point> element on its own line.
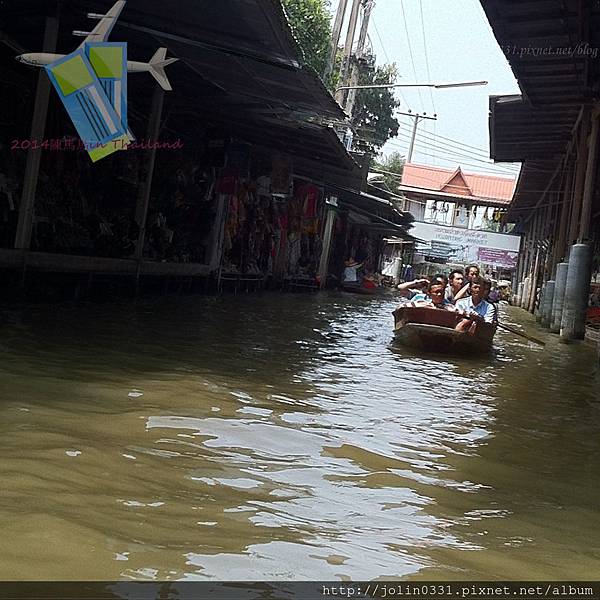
<point>457,182</point>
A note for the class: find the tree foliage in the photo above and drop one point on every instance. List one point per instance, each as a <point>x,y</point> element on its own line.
<point>392,163</point>
<point>310,21</point>
<point>373,112</point>
<point>374,108</point>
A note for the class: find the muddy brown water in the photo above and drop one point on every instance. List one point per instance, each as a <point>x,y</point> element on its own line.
<point>283,437</point>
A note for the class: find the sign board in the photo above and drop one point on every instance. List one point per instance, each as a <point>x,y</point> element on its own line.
<point>471,245</point>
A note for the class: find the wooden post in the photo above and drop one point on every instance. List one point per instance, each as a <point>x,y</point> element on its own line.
<point>141,213</point>
<point>218,237</point>
<point>34,155</point>
<point>561,242</point>
<point>581,165</point>
<point>534,279</point>
<point>590,178</point>
<point>327,237</point>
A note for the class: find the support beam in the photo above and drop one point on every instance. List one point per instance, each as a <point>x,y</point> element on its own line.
<point>561,241</point>
<point>581,166</point>
<point>534,279</point>
<point>38,127</point>
<point>141,213</point>
<point>590,179</point>
<point>327,237</point>
<point>218,234</point>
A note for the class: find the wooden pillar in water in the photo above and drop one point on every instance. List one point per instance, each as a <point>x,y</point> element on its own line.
<point>141,212</point>
<point>590,179</point>
<point>581,167</point>
<point>34,155</point>
<point>327,237</point>
<point>566,197</point>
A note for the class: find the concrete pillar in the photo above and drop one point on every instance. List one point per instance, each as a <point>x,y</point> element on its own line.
<point>559,296</point>
<point>519,297</point>
<point>577,289</point>
<point>538,310</point>
<point>548,300</point>
<point>526,292</point>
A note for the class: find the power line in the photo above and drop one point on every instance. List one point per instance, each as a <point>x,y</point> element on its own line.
<point>387,58</point>
<point>451,152</point>
<point>412,58</point>
<point>426,54</point>
<point>454,152</point>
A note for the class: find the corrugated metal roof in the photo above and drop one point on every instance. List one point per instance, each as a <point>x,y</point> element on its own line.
<point>458,182</point>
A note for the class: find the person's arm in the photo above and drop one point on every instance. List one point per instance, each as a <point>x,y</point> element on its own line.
<point>491,313</point>
<point>462,292</point>
<point>403,287</point>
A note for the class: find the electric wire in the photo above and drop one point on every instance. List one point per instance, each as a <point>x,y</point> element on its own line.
<point>387,58</point>
<point>412,58</point>
<point>426,54</point>
<point>404,139</point>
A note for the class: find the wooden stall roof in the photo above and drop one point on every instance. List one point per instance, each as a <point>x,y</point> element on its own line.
<point>240,70</point>
<point>552,47</point>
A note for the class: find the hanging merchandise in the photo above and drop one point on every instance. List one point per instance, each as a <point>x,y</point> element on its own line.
<point>281,175</point>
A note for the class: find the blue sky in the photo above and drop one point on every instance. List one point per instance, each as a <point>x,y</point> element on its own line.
<point>460,46</point>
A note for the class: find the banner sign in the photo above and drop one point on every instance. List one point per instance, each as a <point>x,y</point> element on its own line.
<point>82,80</point>
<point>471,245</point>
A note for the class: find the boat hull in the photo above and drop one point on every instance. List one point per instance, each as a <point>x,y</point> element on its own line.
<point>433,330</point>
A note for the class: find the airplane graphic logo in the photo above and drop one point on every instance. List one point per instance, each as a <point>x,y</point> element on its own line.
<point>92,83</point>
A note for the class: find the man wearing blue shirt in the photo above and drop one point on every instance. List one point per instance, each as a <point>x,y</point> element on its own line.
<point>475,303</point>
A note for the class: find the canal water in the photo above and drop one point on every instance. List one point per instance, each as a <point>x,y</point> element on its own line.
<point>283,437</point>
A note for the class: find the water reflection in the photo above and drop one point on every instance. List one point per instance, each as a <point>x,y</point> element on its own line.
<point>284,437</point>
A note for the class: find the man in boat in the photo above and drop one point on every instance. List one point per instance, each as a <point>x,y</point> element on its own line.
<point>471,272</point>
<point>455,284</point>
<point>476,307</point>
<point>435,296</point>
<point>408,289</point>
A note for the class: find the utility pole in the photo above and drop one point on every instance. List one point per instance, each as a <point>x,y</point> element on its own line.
<point>348,50</point>
<point>417,118</point>
<point>335,39</point>
<point>368,6</point>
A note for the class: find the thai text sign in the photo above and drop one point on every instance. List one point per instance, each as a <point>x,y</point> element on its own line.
<point>472,245</point>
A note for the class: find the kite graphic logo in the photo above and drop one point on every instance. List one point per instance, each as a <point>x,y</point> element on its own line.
<point>92,85</point>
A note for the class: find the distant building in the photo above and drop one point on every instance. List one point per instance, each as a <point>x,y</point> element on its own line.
<point>453,197</point>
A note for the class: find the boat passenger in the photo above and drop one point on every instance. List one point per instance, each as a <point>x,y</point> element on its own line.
<point>455,284</point>
<point>408,289</point>
<point>435,296</point>
<point>476,306</point>
<point>471,271</point>
<point>350,278</point>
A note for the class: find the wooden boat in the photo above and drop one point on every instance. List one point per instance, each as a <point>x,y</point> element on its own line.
<point>359,289</point>
<point>432,330</point>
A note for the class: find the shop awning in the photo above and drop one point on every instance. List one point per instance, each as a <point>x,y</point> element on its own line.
<point>375,214</point>
<point>233,54</point>
<point>551,46</point>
